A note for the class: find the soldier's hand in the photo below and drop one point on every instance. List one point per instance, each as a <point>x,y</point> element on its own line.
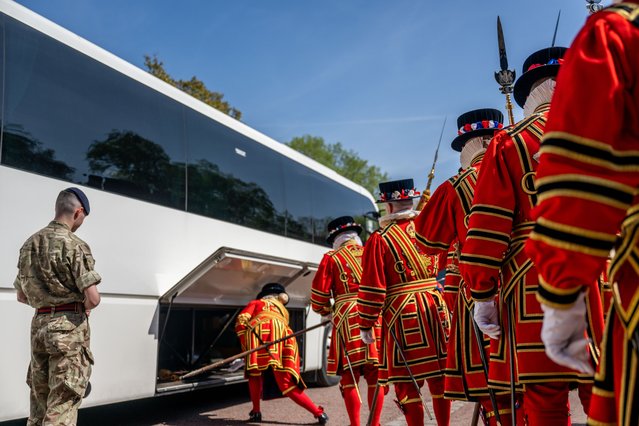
<point>564,335</point>
<point>487,318</point>
<point>367,335</point>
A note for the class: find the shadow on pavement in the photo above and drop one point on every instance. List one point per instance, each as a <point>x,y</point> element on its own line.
<point>230,422</point>
<point>164,410</point>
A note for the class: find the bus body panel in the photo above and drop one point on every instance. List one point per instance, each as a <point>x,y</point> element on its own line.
<point>147,252</point>
<point>124,327</point>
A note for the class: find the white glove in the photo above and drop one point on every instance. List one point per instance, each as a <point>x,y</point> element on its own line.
<point>487,319</point>
<point>327,317</point>
<point>367,336</point>
<point>564,335</point>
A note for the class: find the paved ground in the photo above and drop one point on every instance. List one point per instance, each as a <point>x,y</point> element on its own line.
<point>230,406</point>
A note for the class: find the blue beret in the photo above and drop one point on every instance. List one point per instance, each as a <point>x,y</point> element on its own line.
<point>82,197</point>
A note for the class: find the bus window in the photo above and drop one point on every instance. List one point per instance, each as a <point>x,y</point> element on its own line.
<point>233,178</point>
<point>71,117</point>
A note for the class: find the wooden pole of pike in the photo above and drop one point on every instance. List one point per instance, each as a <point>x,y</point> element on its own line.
<point>250,351</point>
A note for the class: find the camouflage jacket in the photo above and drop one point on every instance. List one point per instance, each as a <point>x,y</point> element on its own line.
<point>55,267</point>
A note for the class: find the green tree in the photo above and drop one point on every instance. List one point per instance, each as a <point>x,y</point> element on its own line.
<point>193,87</point>
<point>344,161</point>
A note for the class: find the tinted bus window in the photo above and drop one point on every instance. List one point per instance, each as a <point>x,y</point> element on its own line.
<point>299,209</point>
<point>233,178</point>
<point>70,117</point>
<point>331,200</point>
<point>313,200</point>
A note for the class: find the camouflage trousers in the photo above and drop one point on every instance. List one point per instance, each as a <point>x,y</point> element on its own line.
<point>60,368</point>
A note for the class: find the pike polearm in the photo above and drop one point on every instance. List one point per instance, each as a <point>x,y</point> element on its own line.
<point>373,406</point>
<point>343,343</point>
<point>505,77</point>
<point>250,351</point>
<point>350,366</point>
<point>554,36</point>
<point>484,364</point>
<point>511,356</point>
<point>426,194</point>
<point>410,373</point>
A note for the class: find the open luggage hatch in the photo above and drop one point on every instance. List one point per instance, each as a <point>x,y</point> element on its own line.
<point>197,315</point>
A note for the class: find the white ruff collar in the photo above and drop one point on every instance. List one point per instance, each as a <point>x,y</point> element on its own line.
<point>395,217</point>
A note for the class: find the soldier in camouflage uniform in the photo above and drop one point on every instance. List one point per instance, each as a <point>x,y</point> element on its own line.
<point>56,277</point>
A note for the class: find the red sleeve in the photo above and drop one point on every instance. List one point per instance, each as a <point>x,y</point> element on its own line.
<point>589,165</point>
<point>435,225</point>
<point>372,289</point>
<point>322,285</point>
<point>490,223</point>
<point>244,317</point>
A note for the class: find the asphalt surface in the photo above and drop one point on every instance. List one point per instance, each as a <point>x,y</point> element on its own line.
<point>230,406</point>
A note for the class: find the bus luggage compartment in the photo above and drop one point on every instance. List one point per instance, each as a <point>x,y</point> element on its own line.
<point>197,316</point>
<point>196,336</point>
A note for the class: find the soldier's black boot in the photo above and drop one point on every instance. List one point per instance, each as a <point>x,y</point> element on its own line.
<point>255,417</point>
<point>322,418</point>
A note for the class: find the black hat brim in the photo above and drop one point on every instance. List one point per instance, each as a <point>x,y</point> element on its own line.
<point>268,291</point>
<point>395,201</point>
<point>357,227</point>
<point>524,84</point>
<point>459,141</point>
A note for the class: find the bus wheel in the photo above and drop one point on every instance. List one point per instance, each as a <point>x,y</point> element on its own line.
<point>324,379</point>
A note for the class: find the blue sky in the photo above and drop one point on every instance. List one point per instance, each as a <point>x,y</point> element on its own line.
<point>378,76</point>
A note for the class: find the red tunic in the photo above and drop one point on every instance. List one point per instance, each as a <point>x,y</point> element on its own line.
<point>338,277</point>
<point>498,228</point>
<point>587,180</point>
<point>263,321</point>
<point>444,218</point>
<point>443,221</point>
<point>452,278</point>
<point>399,283</point>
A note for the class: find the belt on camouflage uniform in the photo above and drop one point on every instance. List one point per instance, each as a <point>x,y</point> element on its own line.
<point>76,307</point>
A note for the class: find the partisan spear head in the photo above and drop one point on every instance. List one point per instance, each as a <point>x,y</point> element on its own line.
<point>594,6</point>
<point>554,36</point>
<point>503,58</point>
<point>505,77</point>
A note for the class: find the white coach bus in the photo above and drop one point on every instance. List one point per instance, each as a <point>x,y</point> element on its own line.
<point>191,213</point>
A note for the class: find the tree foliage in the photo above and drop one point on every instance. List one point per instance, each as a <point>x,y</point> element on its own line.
<point>194,87</point>
<point>344,161</point>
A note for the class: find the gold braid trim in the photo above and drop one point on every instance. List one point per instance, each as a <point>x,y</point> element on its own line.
<point>405,401</point>
<point>490,414</point>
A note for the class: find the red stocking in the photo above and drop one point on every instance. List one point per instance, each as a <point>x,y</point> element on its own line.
<point>289,388</point>
<point>255,390</point>
<point>410,403</point>
<point>370,374</point>
<point>351,400</point>
<point>352,404</point>
<point>441,406</point>
<point>301,399</point>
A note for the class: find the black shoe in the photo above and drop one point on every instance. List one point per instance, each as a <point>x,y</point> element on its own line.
<point>322,418</point>
<point>255,417</point>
